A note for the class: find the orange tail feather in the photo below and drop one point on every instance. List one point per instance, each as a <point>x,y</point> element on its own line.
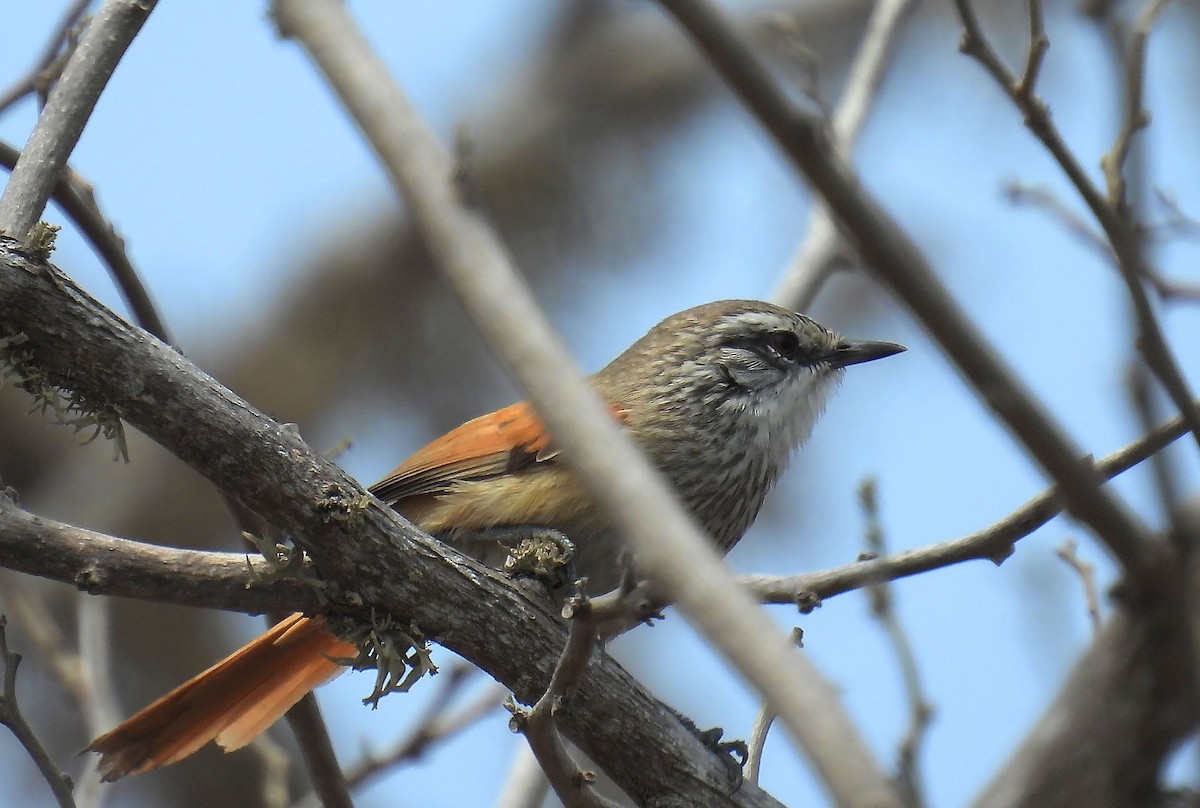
<point>231,702</point>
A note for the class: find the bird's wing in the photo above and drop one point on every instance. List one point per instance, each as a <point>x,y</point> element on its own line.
<point>502,442</point>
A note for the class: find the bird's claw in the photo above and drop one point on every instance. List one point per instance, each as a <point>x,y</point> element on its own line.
<point>733,753</point>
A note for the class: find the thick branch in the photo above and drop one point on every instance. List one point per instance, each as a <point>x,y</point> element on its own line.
<point>105,565</point>
<point>669,545</point>
<point>1128,701</point>
<point>354,541</point>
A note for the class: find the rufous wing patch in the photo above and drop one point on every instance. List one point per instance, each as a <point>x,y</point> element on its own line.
<point>502,442</point>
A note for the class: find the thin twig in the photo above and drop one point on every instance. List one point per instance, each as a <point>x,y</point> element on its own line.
<point>642,507</point>
<point>896,261</point>
<point>817,256</point>
<point>275,763</point>
<point>1136,116</point>
<point>763,721</point>
<point>994,543</point>
<point>32,613</point>
<point>573,786</point>
<point>425,736</point>
<point>434,726</point>
<point>34,79</point>
<point>304,718</point>
<point>879,594</point>
<point>1036,54</point>
<point>67,110</point>
<point>317,752</point>
<point>1044,199</point>
<point>100,710</point>
<point>526,785</point>
<point>1167,484</point>
<point>78,200</point>
<point>82,676</point>
<point>1110,211</point>
<point>1047,201</point>
<point>10,716</point>
<point>1087,579</point>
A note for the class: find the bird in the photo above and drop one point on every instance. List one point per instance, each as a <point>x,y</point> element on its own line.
<point>717,397</point>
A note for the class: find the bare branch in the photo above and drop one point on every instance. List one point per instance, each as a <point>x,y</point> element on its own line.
<point>356,542</point>
<point>763,722</point>
<point>1166,289</point>
<point>316,748</point>
<point>526,785</point>
<point>1045,199</point>
<point>994,543</point>
<point>100,709</point>
<point>538,724</point>
<point>78,200</point>
<point>1038,45</point>
<point>1114,218</point>
<point>1087,578</point>
<point>641,506</point>
<point>896,261</point>
<point>10,716</point>
<point>818,254</point>
<point>275,760</point>
<point>67,110</point>
<point>573,786</point>
<point>1136,116</point>
<point>908,776</point>
<point>30,610</point>
<point>434,728</point>
<point>34,79</point>
<point>106,565</point>
<point>1168,486</point>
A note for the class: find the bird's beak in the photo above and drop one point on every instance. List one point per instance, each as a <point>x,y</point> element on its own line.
<point>849,352</point>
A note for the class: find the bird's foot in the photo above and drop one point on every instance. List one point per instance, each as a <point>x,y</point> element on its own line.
<point>733,753</point>
<point>545,554</point>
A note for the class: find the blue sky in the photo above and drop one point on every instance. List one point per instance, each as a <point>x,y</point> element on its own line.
<point>224,161</point>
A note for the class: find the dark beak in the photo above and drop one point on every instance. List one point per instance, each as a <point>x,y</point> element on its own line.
<point>855,353</point>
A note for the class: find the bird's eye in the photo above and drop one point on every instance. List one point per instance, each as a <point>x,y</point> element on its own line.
<point>784,344</point>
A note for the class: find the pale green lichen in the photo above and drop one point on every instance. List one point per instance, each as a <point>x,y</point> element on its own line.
<point>338,506</point>
<point>400,656</point>
<point>41,240</point>
<point>68,407</point>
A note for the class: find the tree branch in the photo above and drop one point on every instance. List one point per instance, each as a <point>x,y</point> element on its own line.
<point>669,546</point>
<point>1111,211</point>
<point>10,716</point>
<point>105,565</point>
<point>67,110</point>
<point>816,257</point>
<point>898,263</point>
<point>994,543</point>
<point>77,198</point>
<point>33,80</point>
<point>355,542</point>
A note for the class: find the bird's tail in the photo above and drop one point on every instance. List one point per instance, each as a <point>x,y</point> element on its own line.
<point>231,702</point>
